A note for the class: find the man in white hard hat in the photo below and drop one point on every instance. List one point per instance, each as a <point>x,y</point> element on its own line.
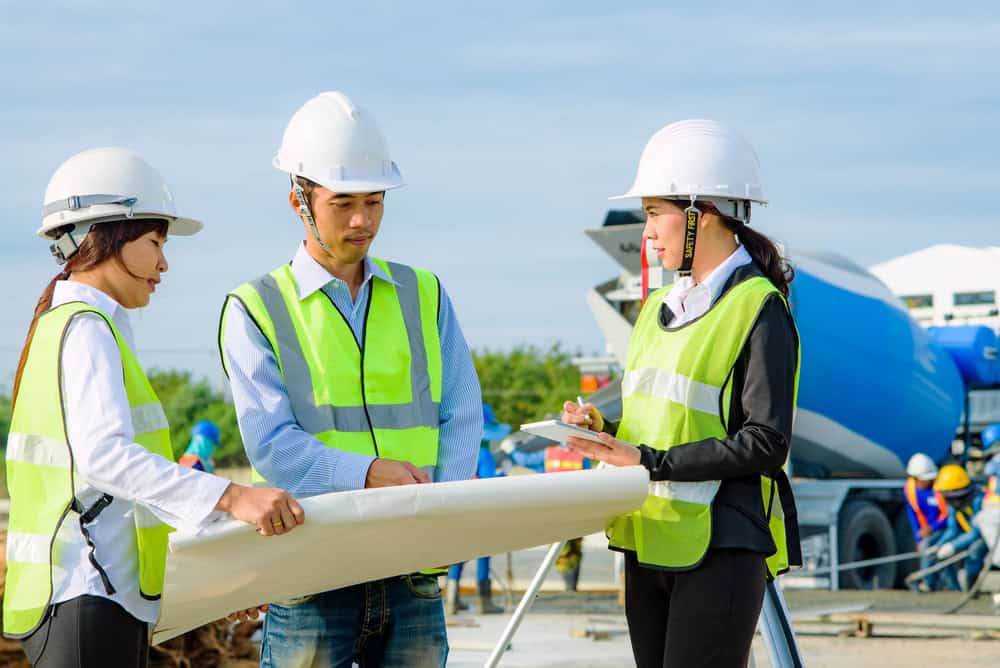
<point>349,371</point>
<point>927,510</point>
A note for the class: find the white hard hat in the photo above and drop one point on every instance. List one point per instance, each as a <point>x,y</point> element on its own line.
<point>107,184</point>
<point>701,159</point>
<point>921,467</point>
<point>333,142</point>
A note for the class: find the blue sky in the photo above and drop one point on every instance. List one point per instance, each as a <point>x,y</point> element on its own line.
<point>878,129</point>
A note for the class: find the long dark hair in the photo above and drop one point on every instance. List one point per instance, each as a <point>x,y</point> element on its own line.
<point>104,242</point>
<point>763,251</point>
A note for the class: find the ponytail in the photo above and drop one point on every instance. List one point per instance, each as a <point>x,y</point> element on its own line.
<point>43,305</point>
<point>763,251</point>
<point>765,254</point>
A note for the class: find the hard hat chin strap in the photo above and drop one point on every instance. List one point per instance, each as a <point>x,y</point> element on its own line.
<point>68,244</point>
<point>306,213</point>
<point>691,218</point>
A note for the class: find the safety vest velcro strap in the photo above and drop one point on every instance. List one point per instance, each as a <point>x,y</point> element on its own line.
<point>673,387</point>
<point>89,515</point>
<point>37,450</point>
<point>691,492</point>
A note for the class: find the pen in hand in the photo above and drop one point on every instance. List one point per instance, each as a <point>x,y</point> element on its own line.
<point>579,401</point>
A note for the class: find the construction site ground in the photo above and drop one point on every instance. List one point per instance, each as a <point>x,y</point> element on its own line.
<point>859,629</point>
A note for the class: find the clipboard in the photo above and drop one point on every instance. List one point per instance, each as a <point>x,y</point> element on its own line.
<point>559,431</point>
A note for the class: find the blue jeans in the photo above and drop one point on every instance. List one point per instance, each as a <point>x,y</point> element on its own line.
<point>393,622</point>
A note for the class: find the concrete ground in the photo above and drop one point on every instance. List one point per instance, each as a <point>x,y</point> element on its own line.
<point>588,628</point>
<point>555,634</point>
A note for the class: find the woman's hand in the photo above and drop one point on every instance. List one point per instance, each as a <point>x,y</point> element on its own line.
<point>585,416</point>
<point>248,614</point>
<point>610,450</point>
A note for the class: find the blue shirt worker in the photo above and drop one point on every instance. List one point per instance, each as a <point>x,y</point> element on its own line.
<point>964,501</point>
<point>552,460</point>
<point>204,441</point>
<point>991,441</point>
<point>349,371</point>
<point>486,468</point>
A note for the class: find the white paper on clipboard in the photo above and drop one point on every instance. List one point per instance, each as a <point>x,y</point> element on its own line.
<point>559,431</point>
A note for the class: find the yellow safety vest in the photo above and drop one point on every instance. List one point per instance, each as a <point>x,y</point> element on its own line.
<point>41,476</point>
<point>381,398</point>
<point>677,390</point>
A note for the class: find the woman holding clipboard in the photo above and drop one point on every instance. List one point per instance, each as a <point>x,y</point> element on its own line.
<point>708,396</point>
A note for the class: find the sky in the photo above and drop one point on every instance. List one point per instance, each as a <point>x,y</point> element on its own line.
<point>877,127</point>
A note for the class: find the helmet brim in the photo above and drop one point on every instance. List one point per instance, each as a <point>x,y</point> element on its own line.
<point>181,227</point>
<point>635,194</point>
<point>185,227</point>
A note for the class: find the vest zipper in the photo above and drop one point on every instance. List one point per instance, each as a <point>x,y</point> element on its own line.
<point>361,349</point>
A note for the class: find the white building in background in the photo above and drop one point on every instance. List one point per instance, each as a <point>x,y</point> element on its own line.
<point>947,284</point>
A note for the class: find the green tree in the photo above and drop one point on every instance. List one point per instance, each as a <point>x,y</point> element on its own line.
<point>4,428</point>
<point>4,420</point>
<point>527,383</point>
<point>187,400</point>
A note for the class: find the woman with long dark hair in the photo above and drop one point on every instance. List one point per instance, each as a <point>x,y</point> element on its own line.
<point>708,396</point>
<point>93,487</point>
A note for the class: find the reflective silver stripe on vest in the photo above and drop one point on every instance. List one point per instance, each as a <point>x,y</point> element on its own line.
<point>33,548</point>
<point>692,492</point>
<point>422,411</point>
<point>148,418</point>
<point>37,450</point>
<point>672,387</point>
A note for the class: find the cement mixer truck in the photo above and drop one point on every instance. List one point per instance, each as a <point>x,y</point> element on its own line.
<point>875,388</point>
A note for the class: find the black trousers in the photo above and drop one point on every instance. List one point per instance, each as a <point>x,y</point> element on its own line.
<point>705,617</point>
<point>88,632</point>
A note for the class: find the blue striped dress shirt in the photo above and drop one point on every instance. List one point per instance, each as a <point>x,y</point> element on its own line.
<point>293,459</point>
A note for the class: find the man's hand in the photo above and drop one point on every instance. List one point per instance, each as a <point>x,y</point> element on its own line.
<point>945,551</point>
<point>585,416</point>
<point>248,614</point>
<point>924,532</point>
<point>609,450</point>
<point>391,472</point>
<point>272,510</point>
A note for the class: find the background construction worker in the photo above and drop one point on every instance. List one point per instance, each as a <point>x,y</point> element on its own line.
<point>928,513</point>
<point>965,500</point>
<point>708,396</point>
<point>204,441</point>
<point>990,438</point>
<point>349,371</point>
<point>486,467</point>
<point>552,460</point>
<point>558,459</point>
<point>93,486</point>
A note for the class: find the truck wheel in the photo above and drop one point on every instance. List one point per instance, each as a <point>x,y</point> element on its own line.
<point>864,532</point>
<point>904,543</point>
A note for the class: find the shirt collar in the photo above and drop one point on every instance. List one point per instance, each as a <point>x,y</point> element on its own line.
<point>713,284</point>
<point>717,279</point>
<point>75,291</point>
<point>311,276</point>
